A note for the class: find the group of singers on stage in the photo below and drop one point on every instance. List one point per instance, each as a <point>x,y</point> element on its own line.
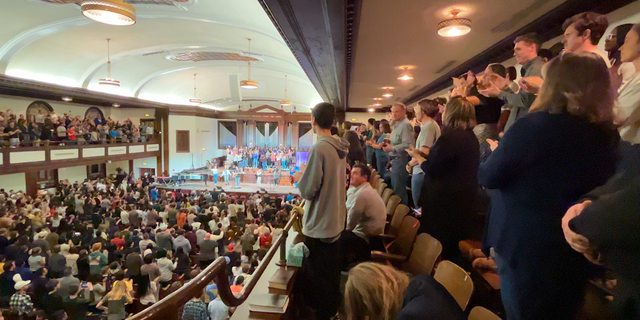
<point>264,158</point>
<point>253,157</point>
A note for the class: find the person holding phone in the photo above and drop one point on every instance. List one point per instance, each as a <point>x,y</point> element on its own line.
<point>77,304</point>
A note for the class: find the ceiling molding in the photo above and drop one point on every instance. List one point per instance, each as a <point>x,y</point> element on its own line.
<point>548,26</point>
<point>316,40</point>
<point>354,8</point>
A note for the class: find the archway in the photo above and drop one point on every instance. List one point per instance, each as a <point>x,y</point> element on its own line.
<point>93,113</point>
<point>38,107</point>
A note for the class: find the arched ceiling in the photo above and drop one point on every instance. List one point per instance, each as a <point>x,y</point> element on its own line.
<point>50,41</point>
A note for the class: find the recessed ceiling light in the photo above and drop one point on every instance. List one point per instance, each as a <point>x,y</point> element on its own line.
<point>406,73</point>
<point>455,26</point>
<point>67,99</point>
<point>116,105</point>
<point>372,109</point>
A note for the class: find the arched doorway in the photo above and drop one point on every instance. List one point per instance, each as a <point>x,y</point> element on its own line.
<point>93,113</point>
<point>38,107</point>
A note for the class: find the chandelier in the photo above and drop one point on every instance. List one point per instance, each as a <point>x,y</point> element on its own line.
<point>108,81</point>
<point>113,12</point>
<point>455,26</point>
<point>285,102</point>
<point>249,84</point>
<point>194,99</point>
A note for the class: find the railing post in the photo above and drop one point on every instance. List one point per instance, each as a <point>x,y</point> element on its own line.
<point>283,249</point>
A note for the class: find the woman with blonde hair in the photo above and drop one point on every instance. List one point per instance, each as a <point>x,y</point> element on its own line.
<point>546,161</point>
<point>450,187</point>
<point>380,292</point>
<point>114,302</point>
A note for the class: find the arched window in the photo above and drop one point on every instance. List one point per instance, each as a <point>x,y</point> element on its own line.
<point>38,107</point>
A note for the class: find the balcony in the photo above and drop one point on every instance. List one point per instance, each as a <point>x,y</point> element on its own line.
<point>53,156</point>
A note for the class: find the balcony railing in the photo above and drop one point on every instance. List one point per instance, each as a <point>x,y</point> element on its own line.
<point>169,307</point>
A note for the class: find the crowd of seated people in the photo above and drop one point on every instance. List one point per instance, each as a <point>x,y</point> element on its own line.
<point>553,151</point>
<point>18,130</point>
<point>106,247</point>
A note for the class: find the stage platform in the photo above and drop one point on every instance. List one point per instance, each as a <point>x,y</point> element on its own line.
<point>245,188</point>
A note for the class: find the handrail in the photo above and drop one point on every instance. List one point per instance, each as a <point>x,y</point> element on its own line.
<point>216,271</point>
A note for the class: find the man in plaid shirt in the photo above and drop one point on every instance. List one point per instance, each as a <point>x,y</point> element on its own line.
<point>21,301</point>
<point>195,310</point>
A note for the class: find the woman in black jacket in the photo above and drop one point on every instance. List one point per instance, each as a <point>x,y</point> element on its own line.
<point>545,163</point>
<point>450,188</point>
<point>356,153</point>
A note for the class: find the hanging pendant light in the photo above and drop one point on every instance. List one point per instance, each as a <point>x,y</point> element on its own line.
<point>194,99</point>
<point>387,93</point>
<point>285,102</point>
<point>378,103</point>
<point>113,12</point>
<point>249,84</point>
<point>108,81</point>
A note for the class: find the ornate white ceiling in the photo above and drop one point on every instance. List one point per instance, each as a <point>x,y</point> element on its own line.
<point>50,41</point>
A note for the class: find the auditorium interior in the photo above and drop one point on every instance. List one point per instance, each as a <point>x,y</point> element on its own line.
<point>205,115</point>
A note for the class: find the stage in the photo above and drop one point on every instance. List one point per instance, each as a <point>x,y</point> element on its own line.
<point>245,188</point>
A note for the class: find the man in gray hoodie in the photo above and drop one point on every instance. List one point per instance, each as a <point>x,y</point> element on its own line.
<point>323,185</point>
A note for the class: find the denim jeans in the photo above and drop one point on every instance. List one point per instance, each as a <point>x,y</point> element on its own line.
<point>399,176</point>
<point>417,179</point>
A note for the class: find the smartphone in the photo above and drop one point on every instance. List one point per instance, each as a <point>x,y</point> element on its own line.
<point>84,284</point>
<point>77,234</point>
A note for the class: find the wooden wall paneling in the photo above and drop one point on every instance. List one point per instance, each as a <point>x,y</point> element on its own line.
<point>183,141</point>
<point>31,179</point>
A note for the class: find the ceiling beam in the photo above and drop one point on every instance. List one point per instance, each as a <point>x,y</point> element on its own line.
<point>315,33</point>
<point>548,26</point>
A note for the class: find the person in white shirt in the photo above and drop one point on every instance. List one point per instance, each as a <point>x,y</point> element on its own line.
<point>425,110</point>
<point>583,32</point>
<point>366,217</point>
<point>124,217</point>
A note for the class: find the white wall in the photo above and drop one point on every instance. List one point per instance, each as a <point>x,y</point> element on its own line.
<point>15,181</point>
<point>206,137</point>
<point>73,174</point>
<point>111,167</point>
<point>203,133</point>
<point>150,163</point>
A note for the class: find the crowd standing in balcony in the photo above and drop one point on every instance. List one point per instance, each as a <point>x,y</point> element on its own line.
<point>115,246</point>
<point>18,130</point>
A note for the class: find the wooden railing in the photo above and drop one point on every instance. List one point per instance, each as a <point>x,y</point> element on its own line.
<point>169,307</point>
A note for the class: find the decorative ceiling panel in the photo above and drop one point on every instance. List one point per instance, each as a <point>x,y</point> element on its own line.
<point>208,56</point>
<point>144,2</point>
